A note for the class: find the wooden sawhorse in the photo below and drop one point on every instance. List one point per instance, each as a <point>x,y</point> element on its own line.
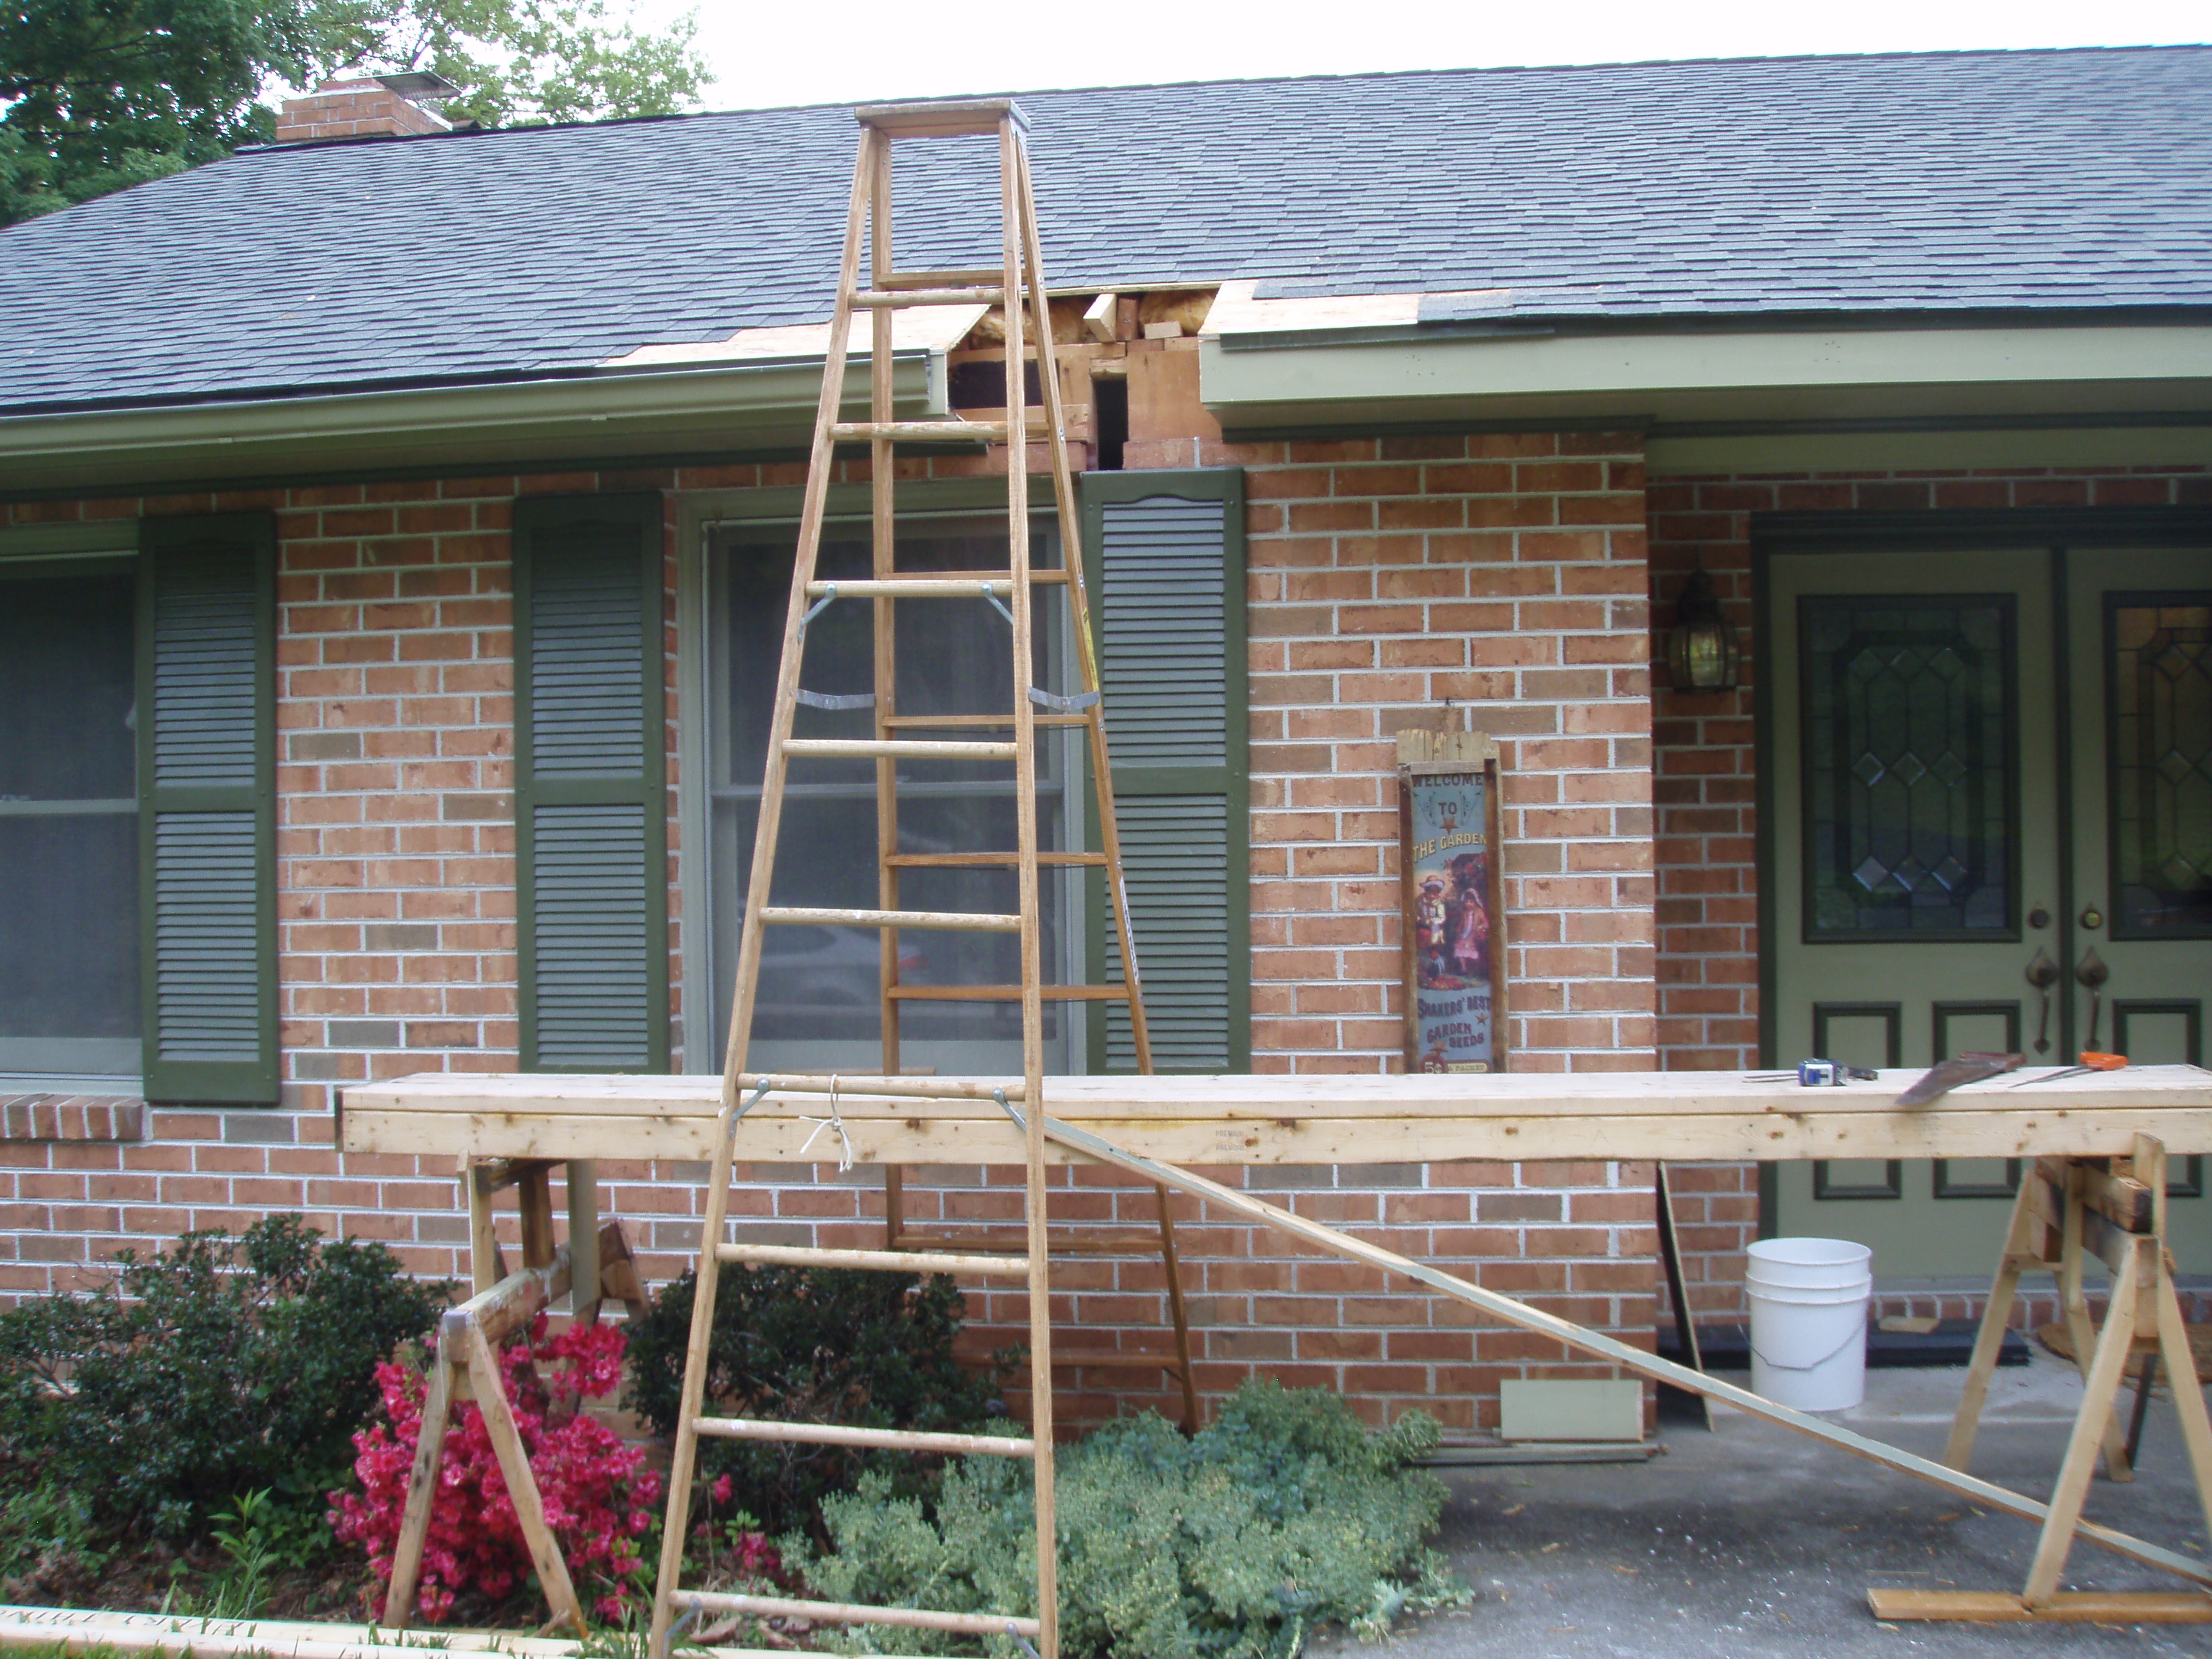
<point>2069,1210</point>
<point>467,1362</point>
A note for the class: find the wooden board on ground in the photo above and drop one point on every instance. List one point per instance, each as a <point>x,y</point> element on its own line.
<point>2073,1608</point>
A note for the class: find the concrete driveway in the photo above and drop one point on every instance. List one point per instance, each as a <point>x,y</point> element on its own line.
<point>1749,1540</point>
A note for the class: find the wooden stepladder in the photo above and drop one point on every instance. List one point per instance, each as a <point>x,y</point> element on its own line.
<point>2069,1210</point>
<point>1017,285</point>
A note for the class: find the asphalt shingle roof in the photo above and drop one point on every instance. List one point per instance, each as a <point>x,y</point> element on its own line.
<point>2002,181</point>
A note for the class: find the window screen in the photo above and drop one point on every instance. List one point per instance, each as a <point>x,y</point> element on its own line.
<point>69,823</point>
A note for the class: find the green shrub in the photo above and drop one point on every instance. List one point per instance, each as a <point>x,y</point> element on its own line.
<point>218,1369</point>
<point>1283,1514</point>
<point>835,1344</point>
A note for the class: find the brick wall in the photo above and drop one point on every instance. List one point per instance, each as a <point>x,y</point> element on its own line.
<point>1708,936</point>
<point>1505,573</point>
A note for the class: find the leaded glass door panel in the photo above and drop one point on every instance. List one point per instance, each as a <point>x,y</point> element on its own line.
<point>1915,795</point>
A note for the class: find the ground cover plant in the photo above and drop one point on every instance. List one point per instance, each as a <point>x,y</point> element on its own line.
<point>185,1416</point>
<point>834,1344</point>
<point>1283,1514</point>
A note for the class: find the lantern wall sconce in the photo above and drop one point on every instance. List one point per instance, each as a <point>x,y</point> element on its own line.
<point>1702,651</point>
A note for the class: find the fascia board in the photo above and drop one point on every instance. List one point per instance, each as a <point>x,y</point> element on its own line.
<point>758,405</point>
<point>1709,376</point>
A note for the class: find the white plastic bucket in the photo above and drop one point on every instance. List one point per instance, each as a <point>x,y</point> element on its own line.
<point>1809,1321</point>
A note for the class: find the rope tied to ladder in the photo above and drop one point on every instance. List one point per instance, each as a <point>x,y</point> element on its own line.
<point>836,1122</point>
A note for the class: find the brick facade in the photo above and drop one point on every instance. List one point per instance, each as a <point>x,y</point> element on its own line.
<point>1505,573</point>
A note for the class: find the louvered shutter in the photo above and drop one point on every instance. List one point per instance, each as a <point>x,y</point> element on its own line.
<point>206,798</point>
<point>1165,555</point>
<point>590,822</point>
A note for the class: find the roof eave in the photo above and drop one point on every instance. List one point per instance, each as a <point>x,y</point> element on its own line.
<point>758,406</point>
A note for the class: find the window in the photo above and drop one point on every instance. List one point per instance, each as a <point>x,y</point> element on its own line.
<point>68,818</point>
<point>820,1005</point>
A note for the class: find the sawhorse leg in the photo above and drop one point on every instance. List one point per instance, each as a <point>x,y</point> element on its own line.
<point>2119,1216</point>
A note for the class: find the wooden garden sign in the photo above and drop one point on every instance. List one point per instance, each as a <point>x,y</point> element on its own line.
<point>1455,923</point>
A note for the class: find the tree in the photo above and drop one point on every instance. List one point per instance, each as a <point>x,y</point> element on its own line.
<point>102,94</point>
<point>520,62</point>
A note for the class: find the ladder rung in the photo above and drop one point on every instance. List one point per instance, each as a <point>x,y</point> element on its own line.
<point>943,278</point>
<point>930,296</point>
<point>887,1261</point>
<point>895,749</point>
<point>1110,1359</point>
<point>916,587</point>
<point>1047,575</point>
<point>921,432</point>
<point>910,1088</point>
<point>1005,993</point>
<point>844,1613</point>
<point>951,920</point>
<point>990,860</point>
<point>837,1434</point>
<point>987,722</point>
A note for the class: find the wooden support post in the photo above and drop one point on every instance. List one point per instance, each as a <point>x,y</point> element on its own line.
<point>534,1191</point>
<point>422,1495</point>
<point>521,1487</point>
<point>2016,1259</point>
<point>584,1240</point>
<point>485,1268</point>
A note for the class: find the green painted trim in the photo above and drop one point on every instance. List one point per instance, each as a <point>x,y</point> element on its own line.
<point>1960,446</point>
<point>255,1083</point>
<point>1959,531</point>
<point>1683,375</point>
<point>769,404</point>
<point>114,536</point>
<point>1233,779</point>
<point>637,516</point>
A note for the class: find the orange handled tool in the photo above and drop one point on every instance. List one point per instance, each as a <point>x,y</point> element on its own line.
<point>2091,1062</point>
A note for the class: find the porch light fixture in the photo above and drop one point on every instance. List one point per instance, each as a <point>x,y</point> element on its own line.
<point>1702,653</point>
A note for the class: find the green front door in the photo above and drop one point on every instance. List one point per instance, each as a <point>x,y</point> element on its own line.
<point>1987,768</point>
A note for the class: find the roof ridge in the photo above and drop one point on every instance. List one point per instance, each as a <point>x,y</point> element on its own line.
<point>1750,61</point>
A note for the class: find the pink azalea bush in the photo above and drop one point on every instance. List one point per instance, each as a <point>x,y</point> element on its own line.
<point>598,1496</point>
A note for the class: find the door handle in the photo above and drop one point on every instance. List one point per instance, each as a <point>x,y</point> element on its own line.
<point>2043,974</point>
<point>2090,973</point>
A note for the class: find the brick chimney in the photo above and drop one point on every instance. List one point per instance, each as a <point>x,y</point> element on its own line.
<point>357,105</point>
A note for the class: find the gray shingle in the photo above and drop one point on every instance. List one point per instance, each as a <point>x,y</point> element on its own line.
<point>1993,180</point>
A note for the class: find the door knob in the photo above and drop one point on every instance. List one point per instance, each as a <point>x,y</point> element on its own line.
<point>2038,916</point>
<point>2092,918</point>
<point>2090,973</point>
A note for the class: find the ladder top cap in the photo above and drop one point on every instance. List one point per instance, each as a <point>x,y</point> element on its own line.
<point>950,117</point>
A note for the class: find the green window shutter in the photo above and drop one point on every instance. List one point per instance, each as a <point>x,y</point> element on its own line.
<point>206,798</point>
<point>590,777</point>
<point>1164,560</point>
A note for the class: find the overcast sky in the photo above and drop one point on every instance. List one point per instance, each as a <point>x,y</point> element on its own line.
<point>810,51</point>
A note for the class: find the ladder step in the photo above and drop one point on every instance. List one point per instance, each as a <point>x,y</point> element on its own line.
<point>942,118</point>
<point>845,1613</point>
<point>948,920</point>
<point>888,1261</point>
<point>896,749</point>
<point>916,587</point>
<point>836,1434</point>
<point>966,295</point>
<point>920,432</point>
<point>1098,1242</point>
<point>990,860</point>
<point>943,278</point>
<point>1044,575</point>
<point>1005,993</point>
